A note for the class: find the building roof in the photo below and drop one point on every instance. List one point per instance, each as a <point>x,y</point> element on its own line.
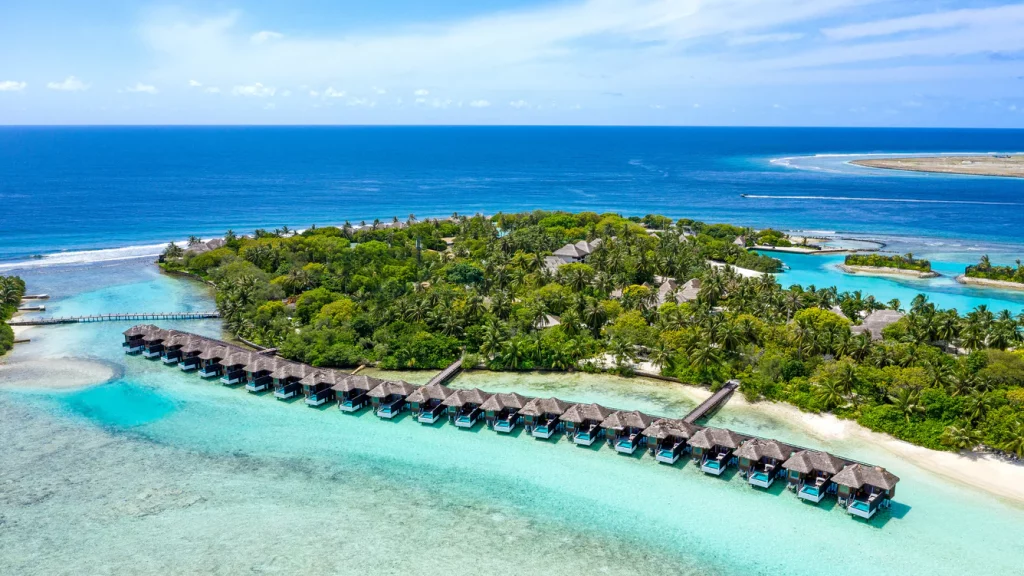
<point>141,330</point>
<point>261,363</point>
<point>539,406</point>
<point>711,437</point>
<point>218,351</point>
<point>194,344</point>
<point>688,291</point>
<point>553,263</point>
<point>462,397</point>
<point>238,357</point>
<point>322,376</point>
<point>664,427</point>
<point>500,401</point>
<point>621,419</point>
<point>289,369</point>
<point>857,475</point>
<point>570,251</point>
<point>389,387</point>
<point>577,413</point>
<point>807,461</point>
<point>876,322</point>
<point>430,392</point>
<point>758,448</point>
<point>350,382</point>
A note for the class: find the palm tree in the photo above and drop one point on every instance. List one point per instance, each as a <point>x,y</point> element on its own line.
<point>829,393</point>
<point>1015,443</point>
<point>960,437</point>
<point>907,400</point>
<point>962,380</point>
<point>976,406</point>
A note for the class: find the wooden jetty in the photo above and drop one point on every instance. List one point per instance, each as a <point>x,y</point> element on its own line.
<point>713,403</point>
<point>125,317</point>
<point>447,374</point>
<point>38,308</point>
<point>36,297</point>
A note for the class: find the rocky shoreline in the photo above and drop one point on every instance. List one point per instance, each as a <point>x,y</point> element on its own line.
<point>987,283</point>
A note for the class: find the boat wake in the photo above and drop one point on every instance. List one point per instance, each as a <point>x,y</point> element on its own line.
<point>866,199</point>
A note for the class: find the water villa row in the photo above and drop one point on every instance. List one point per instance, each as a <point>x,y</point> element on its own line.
<point>813,475</point>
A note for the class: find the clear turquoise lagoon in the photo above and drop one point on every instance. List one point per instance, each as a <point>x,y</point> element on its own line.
<point>159,471</point>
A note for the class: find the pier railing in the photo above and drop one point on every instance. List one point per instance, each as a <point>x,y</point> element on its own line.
<point>447,374</point>
<point>714,402</point>
<point>123,317</point>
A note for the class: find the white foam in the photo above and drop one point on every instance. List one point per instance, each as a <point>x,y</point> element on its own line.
<point>858,199</point>
<point>91,256</point>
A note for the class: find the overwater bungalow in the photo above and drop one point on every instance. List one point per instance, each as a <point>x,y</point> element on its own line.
<point>583,422</point>
<point>626,430</point>
<point>541,416</point>
<point>713,448</point>
<point>501,411</point>
<point>864,489</point>
<point>389,398</point>
<point>288,377</point>
<point>427,402</point>
<point>258,373</point>
<point>464,406</point>
<point>135,338</point>
<point>190,352</point>
<point>760,460</point>
<point>810,473</point>
<point>172,345</point>
<point>667,439</point>
<point>317,386</point>
<point>234,366</point>
<point>153,342</point>
<point>210,359</point>
<point>351,391</point>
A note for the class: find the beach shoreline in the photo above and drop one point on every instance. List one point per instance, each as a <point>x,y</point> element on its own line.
<point>977,165</point>
<point>988,283</point>
<point>883,271</point>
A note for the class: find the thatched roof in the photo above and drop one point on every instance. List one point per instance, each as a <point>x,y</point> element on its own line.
<point>620,420</point>
<point>580,412</point>
<point>501,401</point>
<point>175,338</point>
<point>711,437</point>
<point>289,369</point>
<point>461,397</point>
<point>141,330</point>
<point>239,357</point>
<point>350,382</point>
<point>261,362</point>
<point>194,344</point>
<point>539,406</point>
<point>571,251</point>
<point>389,387</point>
<point>807,461</point>
<point>664,427</point>
<point>322,376</point>
<point>757,448</point>
<point>876,322</point>
<point>430,392</point>
<point>221,351</point>
<point>857,475</point>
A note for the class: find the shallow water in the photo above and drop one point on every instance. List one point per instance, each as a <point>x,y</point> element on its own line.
<point>161,472</point>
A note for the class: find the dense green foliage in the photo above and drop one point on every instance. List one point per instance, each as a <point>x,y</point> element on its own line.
<point>12,288</point>
<point>771,237</point>
<point>905,262</point>
<point>985,269</point>
<point>344,296</point>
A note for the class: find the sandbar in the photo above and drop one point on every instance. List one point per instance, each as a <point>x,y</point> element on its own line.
<point>884,271</point>
<point>1011,166</point>
<point>56,373</point>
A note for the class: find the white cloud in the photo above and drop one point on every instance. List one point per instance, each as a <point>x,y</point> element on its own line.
<point>763,38</point>
<point>932,21</point>
<point>421,92</point>
<point>695,105</point>
<point>479,104</point>
<point>194,84</point>
<point>257,90</point>
<point>438,103</point>
<point>269,106</point>
<point>332,93</point>
<point>314,94</point>
<point>657,107</point>
<point>12,86</point>
<point>286,93</point>
<point>777,106</point>
<point>519,104</point>
<point>264,36</point>
<point>142,88</point>
<point>361,102</point>
<point>379,91</point>
<point>69,84</point>
<point>420,100</point>
<point>212,90</point>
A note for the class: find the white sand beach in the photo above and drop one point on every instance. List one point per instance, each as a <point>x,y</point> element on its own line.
<point>883,271</point>
<point>55,374</point>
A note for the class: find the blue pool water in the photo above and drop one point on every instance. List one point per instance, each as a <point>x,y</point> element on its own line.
<point>119,187</point>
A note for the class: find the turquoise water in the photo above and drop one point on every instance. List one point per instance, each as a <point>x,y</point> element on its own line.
<point>160,471</point>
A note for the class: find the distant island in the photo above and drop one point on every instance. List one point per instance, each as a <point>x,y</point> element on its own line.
<point>905,265</point>
<point>985,274</point>
<point>1011,166</point>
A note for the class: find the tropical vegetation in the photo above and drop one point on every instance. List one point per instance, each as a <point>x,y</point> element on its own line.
<point>904,262</point>
<point>985,269</point>
<point>421,294</point>
<point>12,288</point>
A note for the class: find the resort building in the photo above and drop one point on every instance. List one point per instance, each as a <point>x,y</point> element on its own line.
<point>864,489</point>
<point>671,291</point>
<point>234,366</point>
<point>713,449</point>
<point>351,391</point>
<point>258,373</point>
<point>583,422</point>
<point>389,398</point>
<point>153,342</point>
<point>577,252</point>
<point>760,460</point>
<point>427,402</point>
<point>288,378</point>
<point>135,338</point>
<point>189,359</point>
<point>541,416</point>
<point>667,439</point>
<point>172,344</point>
<point>210,359</point>
<point>501,411</point>
<point>464,406</point>
<point>317,386</point>
<point>877,321</point>
<point>625,430</point>
<point>810,474</point>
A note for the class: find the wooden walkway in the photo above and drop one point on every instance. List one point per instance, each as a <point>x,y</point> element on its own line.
<point>125,317</point>
<point>447,374</point>
<point>717,399</point>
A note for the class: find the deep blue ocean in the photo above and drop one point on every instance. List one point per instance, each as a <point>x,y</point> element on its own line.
<point>72,189</point>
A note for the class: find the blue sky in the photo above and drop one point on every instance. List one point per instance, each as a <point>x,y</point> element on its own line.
<point>650,62</point>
